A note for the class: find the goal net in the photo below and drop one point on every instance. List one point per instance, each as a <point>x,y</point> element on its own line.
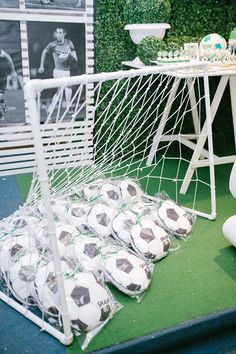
<point>140,124</point>
<point>144,124</point>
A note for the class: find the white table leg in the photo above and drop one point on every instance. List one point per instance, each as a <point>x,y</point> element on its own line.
<point>232,86</point>
<point>203,135</point>
<point>193,104</point>
<point>157,137</point>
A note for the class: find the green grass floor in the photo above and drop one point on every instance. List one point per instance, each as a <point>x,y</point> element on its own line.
<point>197,280</point>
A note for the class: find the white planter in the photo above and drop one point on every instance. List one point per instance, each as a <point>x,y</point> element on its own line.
<point>139,31</point>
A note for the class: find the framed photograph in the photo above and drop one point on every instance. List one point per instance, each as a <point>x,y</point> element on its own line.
<point>193,50</point>
<point>9,3</point>
<point>78,5</point>
<point>56,50</point>
<point>12,109</point>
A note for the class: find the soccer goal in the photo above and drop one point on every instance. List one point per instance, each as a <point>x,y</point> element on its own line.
<point>138,124</point>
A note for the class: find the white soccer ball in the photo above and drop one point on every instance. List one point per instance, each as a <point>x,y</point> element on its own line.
<point>110,194</point>
<point>65,235</point>
<point>22,276</point>
<point>20,223</point>
<point>41,235</point>
<point>23,225</point>
<point>100,219</point>
<point>14,247</point>
<point>91,191</point>
<point>130,191</point>
<point>59,207</point>
<point>78,213</point>
<point>127,272</point>
<point>86,252</point>
<point>150,240</point>
<point>122,225</point>
<point>88,301</point>
<point>215,40</point>
<point>142,208</point>
<point>174,218</point>
<point>46,288</point>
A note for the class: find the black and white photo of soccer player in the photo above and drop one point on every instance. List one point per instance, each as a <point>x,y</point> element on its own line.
<point>56,4</point>
<point>3,81</point>
<point>56,50</point>
<point>64,54</point>
<point>12,109</point>
<point>9,3</point>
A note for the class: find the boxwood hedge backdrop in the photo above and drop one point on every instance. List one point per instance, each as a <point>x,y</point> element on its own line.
<point>188,18</point>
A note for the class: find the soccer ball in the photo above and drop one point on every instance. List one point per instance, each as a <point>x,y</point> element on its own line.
<point>22,276</point>
<point>150,240</point>
<point>78,213</point>
<point>88,301</point>
<point>91,191</point>
<point>86,252</point>
<point>130,191</point>
<point>142,208</point>
<point>59,207</point>
<point>65,235</point>
<point>46,287</point>
<point>100,219</point>
<point>22,225</point>
<point>121,226</point>
<point>12,248</point>
<point>215,40</point>
<point>127,272</point>
<point>174,218</point>
<point>110,194</point>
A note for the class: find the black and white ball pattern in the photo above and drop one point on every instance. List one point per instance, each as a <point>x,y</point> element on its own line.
<point>65,235</point>
<point>142,208</point>
<point>174,218</point>
<point>130,191</point>
<point>89,303</point>
<point>122,225</point>
<point>79,215</point>
<point>110,194</point>
<point>86,252</point>
<point>59,207</point>
<point>150,240</point>
<point>100,219</point>
<point>91,191</point>
<point>14,247</point>
<point>22,225</point>
<point>46,287</point>
<point>22,276</point>
<point>127,272</point>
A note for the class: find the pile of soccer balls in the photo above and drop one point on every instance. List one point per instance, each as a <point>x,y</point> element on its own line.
<point>107,231</point>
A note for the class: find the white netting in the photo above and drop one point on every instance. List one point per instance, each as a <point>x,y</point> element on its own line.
<point>144,127</point>
<point>138,126</point>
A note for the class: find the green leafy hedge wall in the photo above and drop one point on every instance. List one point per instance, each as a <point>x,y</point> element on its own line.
<point>188,17</point>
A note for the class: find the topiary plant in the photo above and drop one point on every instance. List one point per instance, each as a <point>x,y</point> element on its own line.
<point>147,11</point>
<point>148,48</point>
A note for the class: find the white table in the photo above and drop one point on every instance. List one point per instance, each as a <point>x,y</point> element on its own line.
<point>200,155</point>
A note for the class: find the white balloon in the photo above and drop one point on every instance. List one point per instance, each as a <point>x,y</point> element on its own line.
<point>229,230</point>
<point>232,181</point>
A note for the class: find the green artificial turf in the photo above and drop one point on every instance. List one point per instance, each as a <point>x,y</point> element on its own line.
<point>197,280</point>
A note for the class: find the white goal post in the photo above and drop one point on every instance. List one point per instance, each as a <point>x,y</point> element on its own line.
<point>131,123</point>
